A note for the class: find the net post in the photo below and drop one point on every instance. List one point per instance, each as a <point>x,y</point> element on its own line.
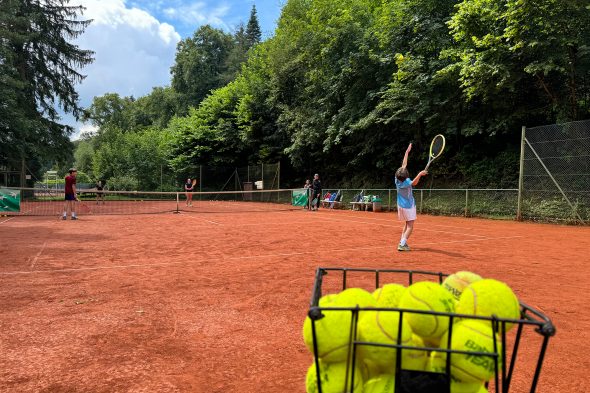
<point>521,175</point>
<point>177,203</point>
<point>466,202</point>
<point>278,181</point>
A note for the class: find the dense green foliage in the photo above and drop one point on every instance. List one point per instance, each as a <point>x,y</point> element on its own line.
<point>38,72</point>
<point>344,85</point>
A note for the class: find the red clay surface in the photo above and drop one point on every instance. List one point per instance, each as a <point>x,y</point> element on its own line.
<point>216,302</point>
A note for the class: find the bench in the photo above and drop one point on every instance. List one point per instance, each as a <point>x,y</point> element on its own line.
<point>334,200</point>
<point>366,206</point>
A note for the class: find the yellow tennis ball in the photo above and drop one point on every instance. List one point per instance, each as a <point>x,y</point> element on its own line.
<point>381,327</point>
<point>388,295</point>
<point>369,368</point>
<point>489,297</point>
<point>352,297</point>
<point>333,330</point>
<point>457,282</point>
<point>437,364</point>
<point>427,296</point>
<point>414,359</point>
<point>333,378</point>
<point>473,336</point>
<point>384,383</point>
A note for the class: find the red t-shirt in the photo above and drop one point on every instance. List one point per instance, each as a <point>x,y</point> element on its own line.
<point>70,181</point>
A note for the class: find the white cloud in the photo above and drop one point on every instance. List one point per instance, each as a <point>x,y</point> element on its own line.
<point>198,14</point>
<point>133,51</point>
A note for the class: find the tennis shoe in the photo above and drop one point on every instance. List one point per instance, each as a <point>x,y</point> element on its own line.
<point>403,248</point>
<point>64,218</point>
<point>74,218</point>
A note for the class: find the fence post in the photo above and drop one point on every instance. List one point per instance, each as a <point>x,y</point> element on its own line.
<point>421,198</point>
<point>389,199</point>
<point>521,176</point>
<point>466,202</point>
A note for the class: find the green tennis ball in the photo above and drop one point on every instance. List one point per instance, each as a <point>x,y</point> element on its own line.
<point>381,327</point>
<point>384,383</point>
<point>332,332</point>
<point>427,296</point>
<point>333,378</point>
<point>369,368</point>
<point>457,282</point>
<point>473,336</point>
<point>353,297</point>
<point>489,297</point>
<point>414,359</point>
<point>388,295</point>
<point>437,364</point>
<point>482,389</point>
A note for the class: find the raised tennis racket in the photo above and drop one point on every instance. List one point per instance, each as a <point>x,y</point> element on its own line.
<point>194,182</point>
<point>436,148</point>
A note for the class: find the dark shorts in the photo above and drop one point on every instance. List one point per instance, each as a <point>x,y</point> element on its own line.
<point>70,197</point>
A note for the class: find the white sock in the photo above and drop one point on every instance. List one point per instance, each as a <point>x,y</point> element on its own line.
<point>73,214</point>
<point>65,214</point>
<point>403,241</point>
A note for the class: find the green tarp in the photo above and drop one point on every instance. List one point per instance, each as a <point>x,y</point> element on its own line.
<point>299,197</point>
<point>9,200</point>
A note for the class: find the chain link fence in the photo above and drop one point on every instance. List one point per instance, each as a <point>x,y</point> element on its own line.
<point>467,202</point>
<point>252,177</point>
<point>555,173</point>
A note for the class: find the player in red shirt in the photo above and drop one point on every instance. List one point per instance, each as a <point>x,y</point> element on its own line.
<point>71,196</point>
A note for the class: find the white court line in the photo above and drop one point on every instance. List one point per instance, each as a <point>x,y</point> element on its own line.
<point>422,229</point>
<point>389,220</point>
<point>38,255</point>
<point>149,265</point>
<point>8,219</point>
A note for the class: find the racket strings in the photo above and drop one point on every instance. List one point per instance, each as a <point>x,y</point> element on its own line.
<point>437,146</point>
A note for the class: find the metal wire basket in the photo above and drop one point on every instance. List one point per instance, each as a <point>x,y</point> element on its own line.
<point>412,381</point>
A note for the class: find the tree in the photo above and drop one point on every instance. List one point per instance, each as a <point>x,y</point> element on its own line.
<point>39,72</point>
<point>200,65</point>
<point>253,33</point>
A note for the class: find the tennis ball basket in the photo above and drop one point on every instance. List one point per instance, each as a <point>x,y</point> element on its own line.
<point>383,353</point>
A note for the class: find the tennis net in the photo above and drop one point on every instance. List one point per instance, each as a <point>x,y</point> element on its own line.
<point>48,202</point>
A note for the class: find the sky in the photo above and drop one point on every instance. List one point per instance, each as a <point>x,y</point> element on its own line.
<point>135,40</point>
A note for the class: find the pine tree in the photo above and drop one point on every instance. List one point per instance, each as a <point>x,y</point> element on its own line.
<point>253,34</point>
<point>39,70</point>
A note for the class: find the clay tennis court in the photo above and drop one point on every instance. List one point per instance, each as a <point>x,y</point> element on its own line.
<point>215,302</point>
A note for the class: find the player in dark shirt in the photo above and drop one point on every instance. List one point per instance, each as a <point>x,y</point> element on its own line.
<point>71,196</point>
<point>99,193</point>
<point>316,192</point>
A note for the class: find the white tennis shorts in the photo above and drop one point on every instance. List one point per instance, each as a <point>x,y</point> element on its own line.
<point>406,214</point>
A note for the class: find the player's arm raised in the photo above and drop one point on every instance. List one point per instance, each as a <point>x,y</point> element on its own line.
<point>405,161</point>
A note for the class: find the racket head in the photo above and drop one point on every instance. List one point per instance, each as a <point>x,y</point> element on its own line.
<point>194,182</point>
<point>437,146</point>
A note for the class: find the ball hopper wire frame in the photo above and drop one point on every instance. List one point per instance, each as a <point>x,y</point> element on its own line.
<point>529,316</point>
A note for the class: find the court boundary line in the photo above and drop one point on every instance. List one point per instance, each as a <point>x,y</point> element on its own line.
<point>350,213</point>
<point>38,255</point>
<point>8,219</point>
<point>399,225</point>
<point>163,264</point>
